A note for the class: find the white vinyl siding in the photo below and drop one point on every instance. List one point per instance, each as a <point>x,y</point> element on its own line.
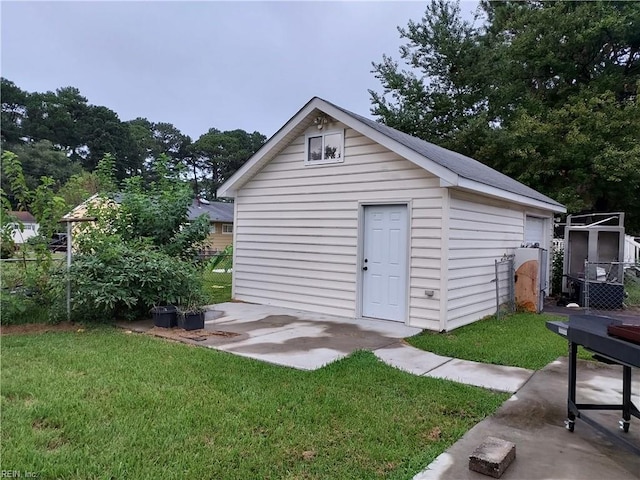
<point>296,233</point>
<point>480,232</point>
<point>29,230</point>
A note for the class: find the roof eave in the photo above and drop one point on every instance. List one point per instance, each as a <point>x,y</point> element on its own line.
<point>230,187</point>
<point>447,177</point>
<point>483,189</point>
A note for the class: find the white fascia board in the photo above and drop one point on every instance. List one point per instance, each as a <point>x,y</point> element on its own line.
<point>229,188</point>
<point>429,165</point>
<point>85,204</point>
<point>478,187</point>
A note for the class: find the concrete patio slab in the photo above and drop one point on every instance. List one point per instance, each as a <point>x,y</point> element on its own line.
<point>410,359</point>
<point>308,341</point>
<point>494,377</point>
<point>533,419</point>
<point>295,338</point>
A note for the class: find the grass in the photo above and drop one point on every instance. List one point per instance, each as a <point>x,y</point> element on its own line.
<point>217,286</point>
<point>19,303</point>
<point>105,404</point>
<point>520,340</point>
<point>632,288</point>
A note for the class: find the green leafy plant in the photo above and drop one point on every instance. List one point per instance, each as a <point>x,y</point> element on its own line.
<point>557,265</point>
<point>140,251</point>
<point>124,280</point>
<point>35,296</point>
<point>223,260</point>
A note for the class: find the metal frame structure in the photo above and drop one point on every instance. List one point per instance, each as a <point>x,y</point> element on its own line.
<point>591,332</point>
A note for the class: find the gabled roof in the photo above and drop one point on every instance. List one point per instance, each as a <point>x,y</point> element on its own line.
<point>454,169</point>
<point>217,211</point>
<point>24,217</point>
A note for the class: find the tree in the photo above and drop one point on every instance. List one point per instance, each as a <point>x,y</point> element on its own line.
<point>40,159</point>
<point>546,92</point>
<point>222,153</point>
<point>57,117</point>
<point>103,133</point>
<point>36,290</point>
<point>14,110</point>
<point>140,251</point>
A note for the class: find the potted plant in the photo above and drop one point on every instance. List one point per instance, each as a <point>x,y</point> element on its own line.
<point>191,317</point>
<point>191,314</point>
<point>164,316</point>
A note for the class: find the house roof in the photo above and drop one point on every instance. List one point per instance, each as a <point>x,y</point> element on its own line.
<point>217,211</point>
<point>454,169</point>
<point>24,217</point>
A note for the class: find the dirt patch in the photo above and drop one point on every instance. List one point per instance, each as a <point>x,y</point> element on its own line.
<point>32,328</point>
<point>180,334</point>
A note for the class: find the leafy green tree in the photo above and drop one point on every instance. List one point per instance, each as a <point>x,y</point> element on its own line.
<point>222,153</point>
<point>79,188</point>
<point>103,133</point>
<point>14,110</point>
<point>37,291</point>
<point>57,117</point>
<point>546,92</point>
<point>42,158</point>
<point>140,252</point>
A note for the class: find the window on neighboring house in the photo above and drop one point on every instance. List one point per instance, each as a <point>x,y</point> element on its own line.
<point>212,228</point>
<point>227,228</point>
<point>324,147</point>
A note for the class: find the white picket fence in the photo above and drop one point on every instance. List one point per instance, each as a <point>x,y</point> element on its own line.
<point>631,250</point>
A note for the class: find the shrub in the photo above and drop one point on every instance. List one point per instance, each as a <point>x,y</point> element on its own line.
<point>124,280</point>
<point>31,293</point>
<point>556,271</point>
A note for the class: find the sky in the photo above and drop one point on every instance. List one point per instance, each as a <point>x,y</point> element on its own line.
<point>201,65</point>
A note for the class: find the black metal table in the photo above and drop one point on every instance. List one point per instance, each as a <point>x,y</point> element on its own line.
<point>591,332</point>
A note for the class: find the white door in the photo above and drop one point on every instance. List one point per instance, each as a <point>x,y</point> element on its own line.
<point>384,262</point>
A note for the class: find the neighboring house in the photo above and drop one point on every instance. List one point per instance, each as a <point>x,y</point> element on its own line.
<point>339,214</point>
<point>29,224</point>
<point>221,222</point>
<point>81,211</point>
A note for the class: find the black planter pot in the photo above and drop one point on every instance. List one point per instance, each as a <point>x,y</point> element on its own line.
<point>191,320</point>
<point>164,316</point>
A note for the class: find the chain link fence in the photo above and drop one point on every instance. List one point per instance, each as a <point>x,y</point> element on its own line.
<point>505,286</point>
<point>217,277</point>
<point>609,286</point>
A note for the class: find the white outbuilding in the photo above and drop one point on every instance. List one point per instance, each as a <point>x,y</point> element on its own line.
<point>342,215</point>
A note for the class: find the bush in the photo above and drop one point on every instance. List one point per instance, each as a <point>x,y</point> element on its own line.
<point>125,280</point>
<point>31,293</point>
<point>556,271</point>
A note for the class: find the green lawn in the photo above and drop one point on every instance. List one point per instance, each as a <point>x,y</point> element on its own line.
<point>217,286</point>
<point>521,340</point>
<point>632,288</point>
<point>105,404</point>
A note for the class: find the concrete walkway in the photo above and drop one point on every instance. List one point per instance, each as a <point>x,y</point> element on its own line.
<point>308,341</point>
<point>419,362</point>
<point>532,418</point>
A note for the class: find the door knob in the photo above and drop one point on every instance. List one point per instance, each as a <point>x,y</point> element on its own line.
<point>365,268</point>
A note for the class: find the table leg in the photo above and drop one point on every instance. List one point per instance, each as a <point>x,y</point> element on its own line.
<point>626,398</point>
<point>571,401</point>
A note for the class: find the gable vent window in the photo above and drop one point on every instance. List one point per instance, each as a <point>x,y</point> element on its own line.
<point>324,147</point>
